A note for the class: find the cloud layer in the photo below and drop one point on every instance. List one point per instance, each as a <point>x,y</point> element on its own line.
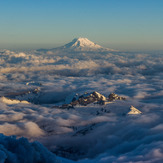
<point>88,134</point>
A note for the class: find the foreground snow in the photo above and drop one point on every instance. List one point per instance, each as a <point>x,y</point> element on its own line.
<point>20,150</point>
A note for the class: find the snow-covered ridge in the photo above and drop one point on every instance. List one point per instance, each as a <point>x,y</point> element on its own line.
<point>134,111</point>
<point>30,96</point>
<point>88,98</point>
<point>21,150</point>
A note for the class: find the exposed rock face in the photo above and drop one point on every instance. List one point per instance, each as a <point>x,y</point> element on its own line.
<point>113,97</point>
<point>88,98</point>
<point>134,111</point>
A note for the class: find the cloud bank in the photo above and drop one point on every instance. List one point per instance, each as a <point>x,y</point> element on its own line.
<point>85,134</point>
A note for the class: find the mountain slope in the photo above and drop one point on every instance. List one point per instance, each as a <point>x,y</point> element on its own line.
<point>80,44</point>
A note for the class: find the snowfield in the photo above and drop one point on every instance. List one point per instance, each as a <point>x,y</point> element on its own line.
<point>47,96</point>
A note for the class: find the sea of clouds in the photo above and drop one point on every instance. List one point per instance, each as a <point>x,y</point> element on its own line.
<point>81,134</point>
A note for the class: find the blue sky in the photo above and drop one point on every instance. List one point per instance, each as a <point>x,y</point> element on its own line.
<point>120,24</point>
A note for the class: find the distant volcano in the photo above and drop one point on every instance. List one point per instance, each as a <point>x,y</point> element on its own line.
<point>81,44</point>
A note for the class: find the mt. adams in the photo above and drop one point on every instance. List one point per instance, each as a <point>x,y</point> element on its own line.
<point>80,44</point>
<point>84,44</point>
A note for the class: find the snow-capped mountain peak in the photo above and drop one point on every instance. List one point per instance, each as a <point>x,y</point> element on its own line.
<point>133,110</point>
<point>81,43</point>
<point>84,44</point>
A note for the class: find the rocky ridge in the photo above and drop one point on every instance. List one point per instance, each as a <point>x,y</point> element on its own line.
<point>93,97</point>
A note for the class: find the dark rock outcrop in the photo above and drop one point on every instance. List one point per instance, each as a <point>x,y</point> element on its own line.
<point>113,97</point>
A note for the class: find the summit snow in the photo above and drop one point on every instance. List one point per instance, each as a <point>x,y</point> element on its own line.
<point>80,44</point>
